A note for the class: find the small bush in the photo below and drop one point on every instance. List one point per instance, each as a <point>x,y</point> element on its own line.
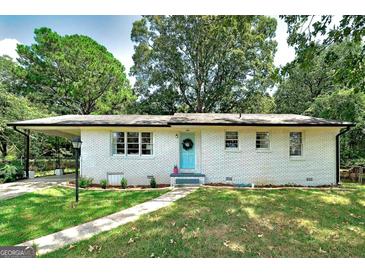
<point>85,182</point>
<point>104,183</point>
<point>153,183</point>
<point>124,183</point>
<point>8,172</point>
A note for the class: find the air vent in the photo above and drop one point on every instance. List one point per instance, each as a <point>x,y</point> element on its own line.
<point>309,179</point>
<point>228,178</point>
<point>114,178</point>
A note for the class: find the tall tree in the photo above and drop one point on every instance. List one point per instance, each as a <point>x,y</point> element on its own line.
<point>345,105</point>
<point>202,63</point>
<point>73,74</point>
<point>301,83</point>
<point>306,32</point>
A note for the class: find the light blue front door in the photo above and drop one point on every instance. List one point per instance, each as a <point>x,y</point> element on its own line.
<point>187,150</point>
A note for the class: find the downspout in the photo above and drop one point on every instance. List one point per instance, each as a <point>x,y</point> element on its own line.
<point>338,153</point>
<point>27,150</point>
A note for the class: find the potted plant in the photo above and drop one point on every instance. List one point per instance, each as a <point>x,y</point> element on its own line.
<point>175,170</point>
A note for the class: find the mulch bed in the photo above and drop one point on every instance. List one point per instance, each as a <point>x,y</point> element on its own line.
<point>226,185</point>
<point>133,187</point>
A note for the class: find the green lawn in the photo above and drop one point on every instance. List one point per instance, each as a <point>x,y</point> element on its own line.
<point>215,222</point>
<point>40,213</point>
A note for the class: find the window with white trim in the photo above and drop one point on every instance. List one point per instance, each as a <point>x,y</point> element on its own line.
<point>118,143</point>
<point>147,143</point>
<point>295,143</point>
<point>231,140</point>
<point>262,140</point>
<point>132,143</point>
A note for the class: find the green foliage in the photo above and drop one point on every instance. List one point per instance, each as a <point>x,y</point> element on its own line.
<point>104,183</point>
<point>345,105</point>
<point>73,74</point>
<point>123,183</point>
<point>301,83</point>
<point>306,31</point>
<point>13,107</point>
<point>8,172</point>
<point>85,182</point>
<point>202,63</point>
<point>153,182</point>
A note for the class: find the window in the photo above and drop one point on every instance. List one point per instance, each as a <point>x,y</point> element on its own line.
<point>262,140</point>
<point>296,144</point>
<point>132,143</point>
<point>118,143</point>
<point>147,143</point>
<point>232,140</point>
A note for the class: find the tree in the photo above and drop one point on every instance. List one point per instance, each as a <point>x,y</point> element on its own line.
<point>73,74</point>
<point>345,105</point>
<point>202,63</point>
<point>13,108</point>
<point>306,32</point>
<point>301,83</point>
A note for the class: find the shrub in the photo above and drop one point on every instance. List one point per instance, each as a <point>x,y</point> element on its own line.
<point>124,183</point>
<point>85,182</point>
<point>9,172</point>
<point>153,183</point>
<point>104,183</point>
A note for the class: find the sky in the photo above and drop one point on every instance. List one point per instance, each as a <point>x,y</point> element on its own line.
<point>111,31</point>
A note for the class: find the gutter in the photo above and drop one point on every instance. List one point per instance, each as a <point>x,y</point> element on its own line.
<point>338,152</point>
<point>27,150</point>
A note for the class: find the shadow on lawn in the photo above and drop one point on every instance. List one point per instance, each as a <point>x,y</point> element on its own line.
<point>241,223</point>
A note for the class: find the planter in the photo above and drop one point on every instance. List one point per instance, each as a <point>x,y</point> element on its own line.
<point>31,174</point>
<point>58,171</point>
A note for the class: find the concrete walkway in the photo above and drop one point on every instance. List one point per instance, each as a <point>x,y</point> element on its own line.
<point>11,190</point>
<point>85,231</point>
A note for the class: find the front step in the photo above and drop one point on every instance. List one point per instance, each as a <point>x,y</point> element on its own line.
<point>190,181</point>
<point>187,179</point>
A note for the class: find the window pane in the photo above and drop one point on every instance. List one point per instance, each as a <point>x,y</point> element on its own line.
<point>147,146</point>
<point>231,139</point>
<point>118,143</point>
<point>296,143</point>
<point>262,140</point>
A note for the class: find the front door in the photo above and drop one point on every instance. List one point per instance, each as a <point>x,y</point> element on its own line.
<point>187,150</point>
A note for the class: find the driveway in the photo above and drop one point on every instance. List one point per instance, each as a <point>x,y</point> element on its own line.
<point>10,190</point>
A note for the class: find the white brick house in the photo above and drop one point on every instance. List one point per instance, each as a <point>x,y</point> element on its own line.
<point>260,149</point>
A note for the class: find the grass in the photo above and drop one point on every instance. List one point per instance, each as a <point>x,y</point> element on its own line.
<point>41,213</point>
<point>214,222</point>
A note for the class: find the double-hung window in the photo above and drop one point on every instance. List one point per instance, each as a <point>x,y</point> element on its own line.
<point>118,143</point>
<point>132,143</point>
<point>295,144</point>
<point>262,140</point>
<point>147,143</point>
<point>231,142</point>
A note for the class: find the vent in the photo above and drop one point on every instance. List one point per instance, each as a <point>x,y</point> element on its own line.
<point>149,177</point>
<point>309,179</point>
<point>115,178</point>
<point>228,178</point>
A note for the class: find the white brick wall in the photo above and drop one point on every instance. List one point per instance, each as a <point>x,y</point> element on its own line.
<point>245,166</point>
<point>97,160</point>
<point>272,167</point>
